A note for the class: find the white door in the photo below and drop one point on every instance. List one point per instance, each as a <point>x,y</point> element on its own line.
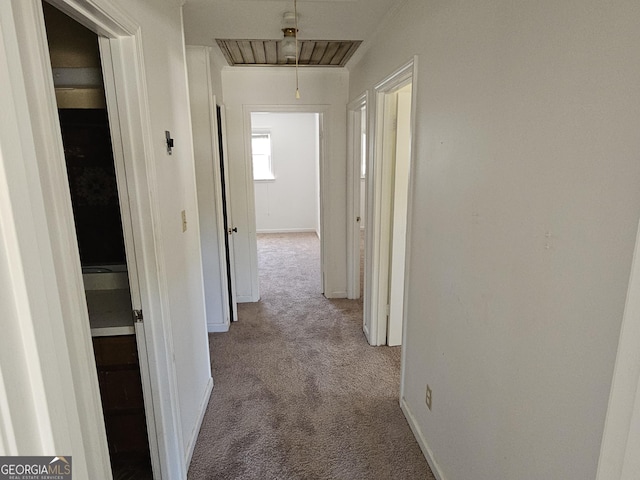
<point>130,249</point>
<point>228,228</point>
<point>399,215</point>
<point>388,208</point>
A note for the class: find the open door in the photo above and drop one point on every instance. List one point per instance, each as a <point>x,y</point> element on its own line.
<point>401,163</point>
<point>229,229</point>
<point>389,192</point>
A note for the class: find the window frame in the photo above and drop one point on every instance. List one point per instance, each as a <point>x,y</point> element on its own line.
<point>271,176</point>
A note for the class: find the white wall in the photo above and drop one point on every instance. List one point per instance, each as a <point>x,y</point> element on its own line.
<point>290,202</point>
<point>58,421</point>
<point>525,209</point>
<point>276,86</point>
<point>208,184</point>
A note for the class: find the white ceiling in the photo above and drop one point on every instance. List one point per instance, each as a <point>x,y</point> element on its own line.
<point>206,20</point>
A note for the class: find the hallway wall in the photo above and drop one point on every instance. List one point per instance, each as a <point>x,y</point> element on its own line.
<point>525,209</point>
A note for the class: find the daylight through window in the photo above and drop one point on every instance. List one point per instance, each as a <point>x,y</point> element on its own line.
<point>261,154</point>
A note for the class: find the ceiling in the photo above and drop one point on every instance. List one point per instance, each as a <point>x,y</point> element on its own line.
<point>318,20</point>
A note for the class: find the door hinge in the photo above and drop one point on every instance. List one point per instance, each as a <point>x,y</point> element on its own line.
<point>357,219</point>
<point>388,309</point>
<point>137,316</point>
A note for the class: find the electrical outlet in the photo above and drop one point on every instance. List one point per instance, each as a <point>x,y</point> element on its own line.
<point>184,221</point>
<point>428,397</point>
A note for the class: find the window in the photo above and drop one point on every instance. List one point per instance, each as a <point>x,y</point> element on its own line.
<point>261,154</point>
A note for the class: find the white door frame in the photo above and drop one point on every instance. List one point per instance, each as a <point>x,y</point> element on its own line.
<point>399,206</point>
<point>354,158</point>
<point>378,216</point>
<point>619,458</point>
<point>324,113</point>
<point>124,43</point>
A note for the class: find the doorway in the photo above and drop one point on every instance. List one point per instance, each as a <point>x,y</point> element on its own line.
<point>285,146</point>
<point>357,154</point>
<point>389,194</point>
<point>100,204</point>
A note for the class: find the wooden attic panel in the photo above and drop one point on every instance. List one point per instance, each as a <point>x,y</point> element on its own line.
<point>329,53</point>
<point>318,52</point>
<point>352,47</point>
<point>305,51</point>
<point>259,54</point>
<point>232,56</point>
<point>247,52</point>
<point>282,60</point>
<point>236,54</point>
<point>271,52</point>
<point>343,49</point>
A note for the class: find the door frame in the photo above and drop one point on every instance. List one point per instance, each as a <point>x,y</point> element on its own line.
<point>398,213</point>
<point>378,223</point>
<point>123,172</point>
<point>354,157</point>
<point>324,113</point>
<point>621,437</point>
<point>125,44</point>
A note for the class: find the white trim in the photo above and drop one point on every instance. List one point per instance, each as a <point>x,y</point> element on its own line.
<point>202,409</point>
<point>103,17</point>
<point>217,327</point>
<point>324,112</point>
<point>410,195</point>
<point>354,159</point>
<point>336,294</point>
<point>422,442</point>
<point>247,298</point>
<point>619,447</point>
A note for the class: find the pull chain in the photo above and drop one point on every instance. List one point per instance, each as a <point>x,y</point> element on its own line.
<point>295,13</point>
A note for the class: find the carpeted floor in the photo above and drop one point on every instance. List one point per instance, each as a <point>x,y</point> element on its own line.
<point>299,394</point>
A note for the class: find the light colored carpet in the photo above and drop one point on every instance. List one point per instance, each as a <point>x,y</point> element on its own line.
<point>299,394</point>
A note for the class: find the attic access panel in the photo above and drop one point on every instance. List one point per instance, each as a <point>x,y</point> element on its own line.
<point>316,53</point>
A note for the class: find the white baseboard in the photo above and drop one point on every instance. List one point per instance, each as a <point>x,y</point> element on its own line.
<point>340,294</point>
<point>287,230</point>
<point>196,429</point>
<point>217,327</point>
<point>426,451</point>
<point>246,299</point>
